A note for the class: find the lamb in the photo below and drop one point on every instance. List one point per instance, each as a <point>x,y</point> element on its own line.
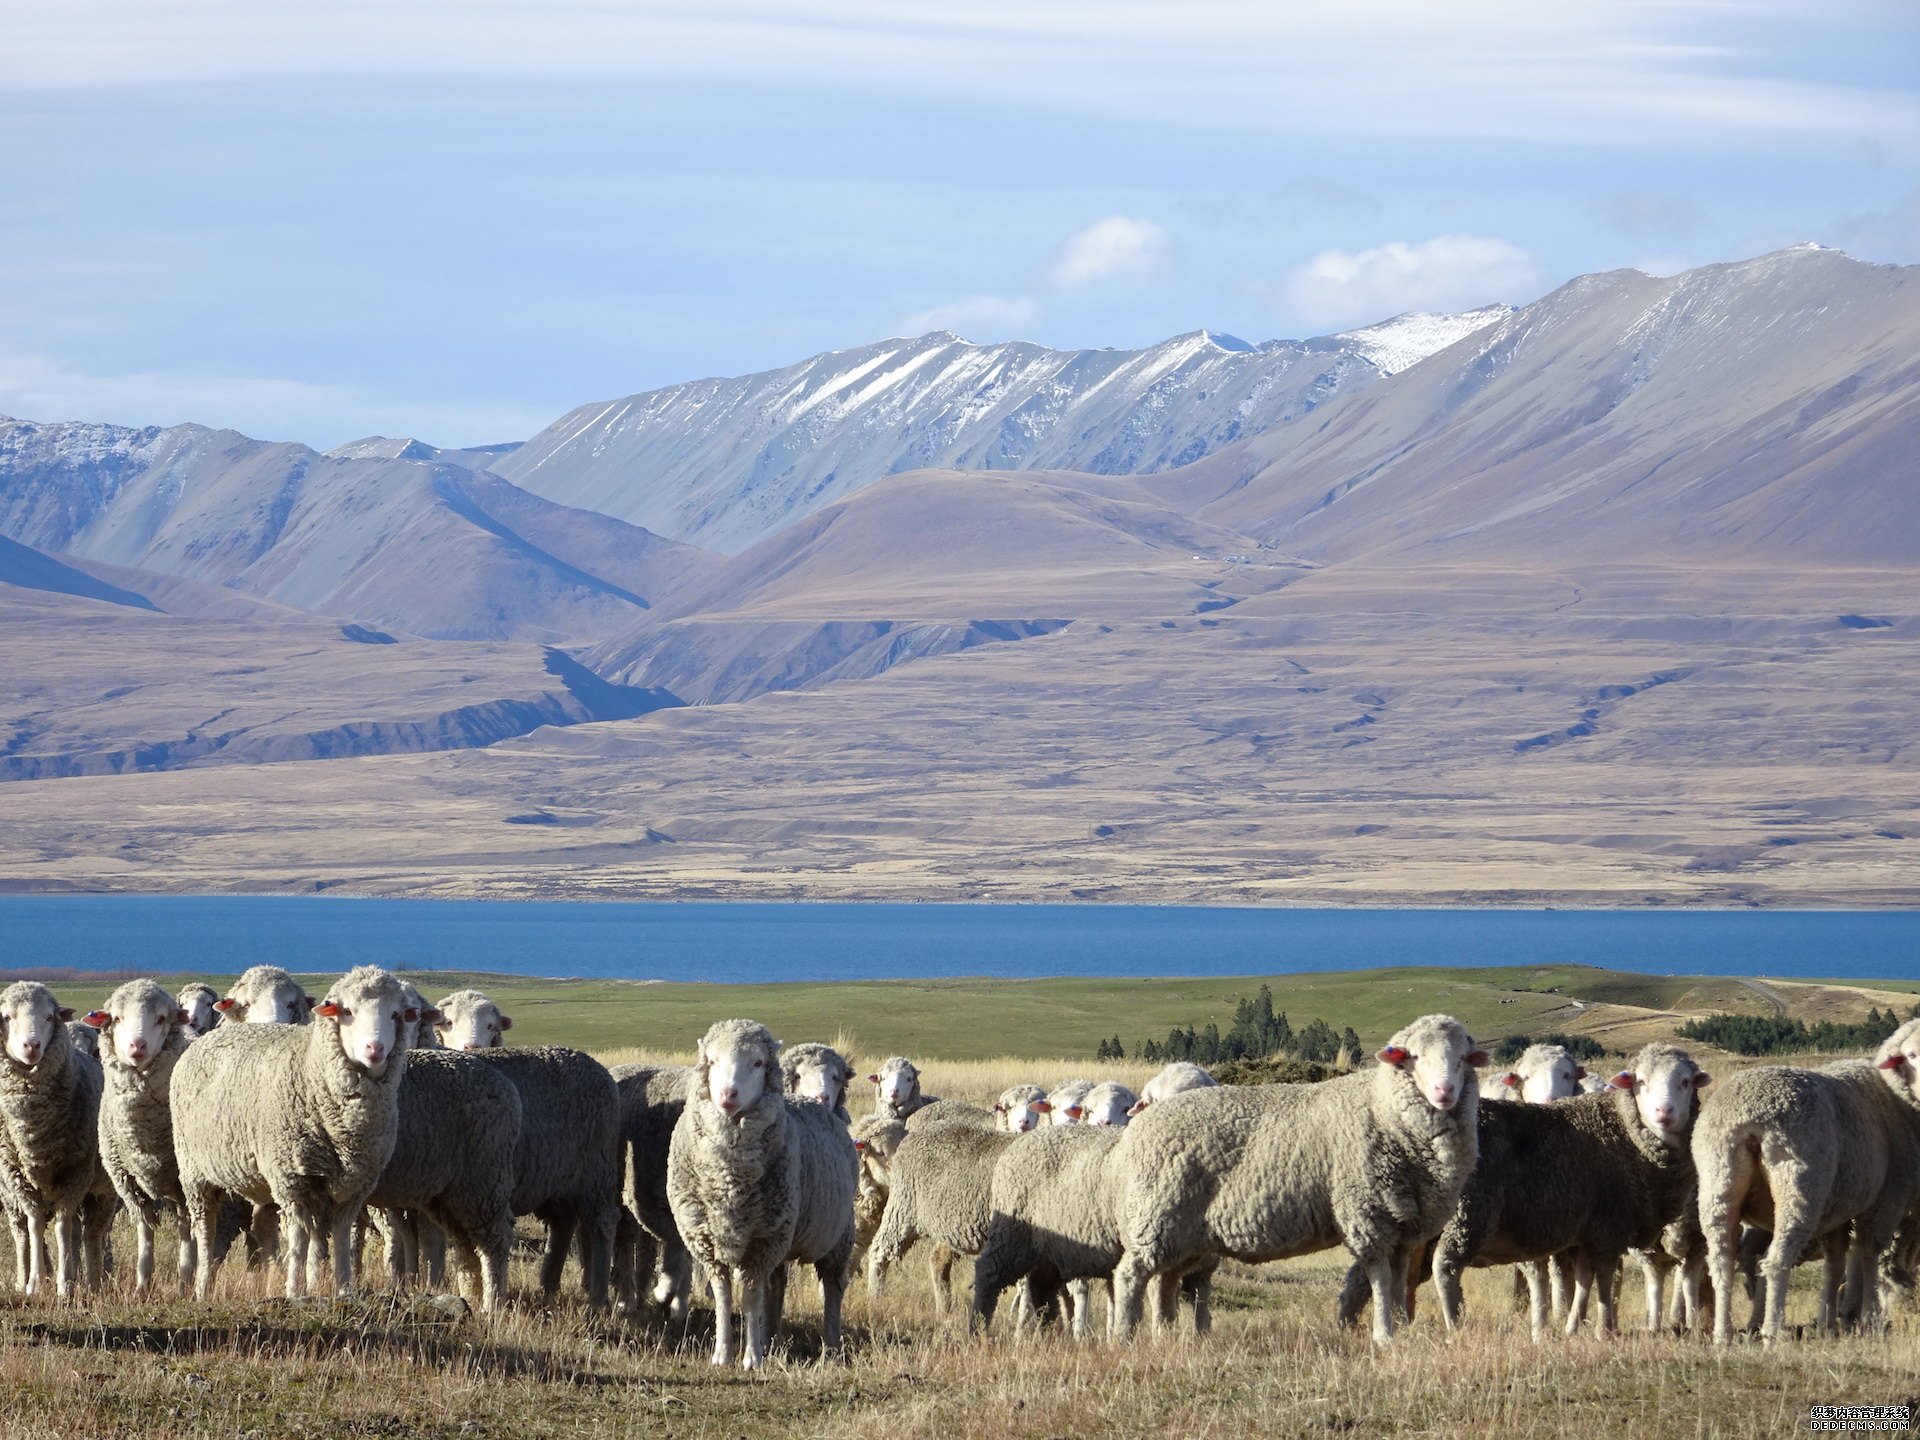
<point>146,1031</point>
<point>469,1020</point>
<point>49,1142</point>
<point>897,1088</point>
<point>1108,1103</point>
<point>758,1181</point>
<point>1814,1156</point>
<point>1375,1161</point>
<point>817,1072</point>
<point>266,995</point>
<point>303,1118</point>
<point>454,1161</point>
<point>1176,1079</point>
<point>567,1166</point>
<point>198,1001</point>
<point>651,1099</point>
<point>1065,1096</point>
<point>1596,1176</point>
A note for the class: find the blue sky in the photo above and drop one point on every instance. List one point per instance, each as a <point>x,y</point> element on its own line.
<point>458,218</point>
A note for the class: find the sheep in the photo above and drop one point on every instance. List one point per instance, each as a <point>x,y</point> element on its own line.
<point>49,1142</point>
<point>85,1038</point>
<point>816,1072</point>
<point>651,1099</point>
<point>758,1181</point>
<point>265,995</point>
<point>426,1034</point>
<point>1375,1161</point>
<point>876,1138</point>
<point>897,1091</point>
<point>1109,1103</point>
<point>146,1031</point>
<point>198,1001</point>
<point>567,1166</point>
<point>1065,1096</point>
<point>1543,1074</point>
<point>1021,1107</point>
<point>1176,1079</point>
<point>1596,1175</point>
<point>1817,1157</point>
<point>454,1161</point>
<point>300,1117</point>
<point>469,1020</point>
<point>1592,1084</point>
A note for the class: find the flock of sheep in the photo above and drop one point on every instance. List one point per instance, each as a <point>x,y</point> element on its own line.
<point>261,1118</point>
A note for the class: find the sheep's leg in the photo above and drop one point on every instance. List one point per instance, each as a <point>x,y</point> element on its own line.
<point>343,1253</point>
<point>497,1246</point>
<point>431,1248</point>
<point>1560,1268</point>
<point>1835,1272</point>
<point>1539,1299</point>
<point>1166,1301</point>
<point>1583,1278</point>
<point>1200,1287</point>
<point>833,1293</point>
<point>940,1272</point>
<point>1607,1291</point>
<point>1080,1300</point>
<point>37,1267</point>
<point>630,1251</point>
<point>203,1218</point>
<point>1654,1278</point>
<point>596,1254</point>
<point>559,1240</point>
<point>894,1238</point>
<point>1380,1279</point>
<point>144,1223</point>
<point>1687,1293</point>
<point>723,1315</point>
<point>66,1251</point>
<point>754,1299</point>
<point>675,1290</point>
<point>188,1256</point>
<point>988,1283</point>
<point>1446,1280</point>
<point>1129,1294</point>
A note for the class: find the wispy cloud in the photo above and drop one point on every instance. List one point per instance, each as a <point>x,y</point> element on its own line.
<point>1448,272</point>
<point>36,387</point>
<point>981,317</point>
<point>1115,248</point>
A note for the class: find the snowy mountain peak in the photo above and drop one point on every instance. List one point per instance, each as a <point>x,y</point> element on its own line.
<point>1405,340</point>
<point>383,447</point>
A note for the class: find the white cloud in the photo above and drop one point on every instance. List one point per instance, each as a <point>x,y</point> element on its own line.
<point>1116,248</point>
<point>37,387</point>
<point>1448,272</point>
<point>982,317</point>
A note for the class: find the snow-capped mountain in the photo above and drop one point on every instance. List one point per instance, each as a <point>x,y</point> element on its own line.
<point>724,463</point>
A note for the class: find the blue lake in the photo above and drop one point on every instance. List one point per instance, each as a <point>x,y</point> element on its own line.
<point>768,942</point>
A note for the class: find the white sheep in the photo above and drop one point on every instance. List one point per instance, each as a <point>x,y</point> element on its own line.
<point>198,1001</point>
<point>265,995</point>
<point>897,1092</point>
<point>1109,1103</point>
<point>144,1031</point>
<point>1375,1161</point>
<point>49,1142</point>
<point>1543,1074</point>
<point>1021,1107</point>
<point>1826,1158</point>
<point>470,1020</point>
<point>302,1118</point>
<point>1175,1079</point>
<point>651,1099</point>
<point>758,1181</point>
<point>1066,1096</point>
<point>816,1072</point>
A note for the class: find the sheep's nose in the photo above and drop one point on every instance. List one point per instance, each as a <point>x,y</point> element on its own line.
<point>1663,1114</point>
<point>374,1051</point>
<point>137,1049</point>
<point>1443,1094</point>
<point>729,1099</point>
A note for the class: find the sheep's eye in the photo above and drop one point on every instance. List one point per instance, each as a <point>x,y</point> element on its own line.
<point>345,1014</point>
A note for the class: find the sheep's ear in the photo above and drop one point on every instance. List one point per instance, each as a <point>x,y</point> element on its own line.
<point>100,1019</point>
<point>1622,1081</point>
<point>306,1000</point>
<point>1895,1061</point>
<point>411,1015</point>
<point>1138,1107</point>
<point>1512,1077</point>
<point>330,1009</point>
<point>180,1017</point>
<point>1397,1055</point>
<point>999,1108</point>
<point>1579,1072</point>
<point>873,1079</point>
<point>1701,1080</point>
<point>1075,1112</point>
<point>1477,1058</point>
<point>1045,1107</point>
<point>506,1022</point>
<point>225,1003</point>
<point>432,1016</point>
<point>65,1013</point>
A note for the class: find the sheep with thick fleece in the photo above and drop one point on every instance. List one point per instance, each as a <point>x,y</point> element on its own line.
<point>940,1184</point>
<point>1109,1103</point>
<point>49,1141</point>
<point>567,1165</point>
<point>1826,1158</point>
<point>1065,1097</point>
<point>265,995</point>
<point>145,1031</point>
<point>1375,1161</point>
<point>758,1181</point>
<point>816,1072</point>
<point>651,1099</point>
<point>1175,1079</point>
<point>453,1163</point>
<point>85,1038</point>
<point>1593,1177</point>
<point>471,1020</point>
<point>198,1001</point>
<point>876,1138</point>
<point>897,1092</point>
<point>304,1118</point>
<point>1021,1107</point>
<point>1543,1074</point>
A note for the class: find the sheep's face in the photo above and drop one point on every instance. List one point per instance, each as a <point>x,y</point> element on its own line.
<point>1021,1109</point>
<point>740,1066</point>
<point>266,995</point>
<point>1438,1056</point>
<point>29,1015</point>
<point>470,1021</point>
<point>1545,1073</point>
<point>1069,1102</point>
<point>371,1019</point>
<point>137,1022</point>
<point>1899,1061</point>
<point>1176,1079</point>
<point>898,1082</point>
<point>815,1074</point>
<point>196,1002</point>
<point>1107,1105</point>
<point>1666,1087</point>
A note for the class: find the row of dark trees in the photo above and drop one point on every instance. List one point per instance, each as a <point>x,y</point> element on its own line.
<point>1581,1047</point>
<point>1257,1030</point>
<point>1777,1035</point>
